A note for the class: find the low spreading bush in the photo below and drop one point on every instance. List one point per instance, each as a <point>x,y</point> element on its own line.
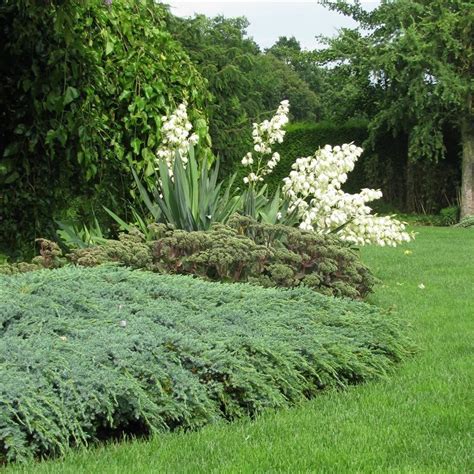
<point>466,222</point>
<point>91,353</point>
<point>267,255</point>
<point>243,251</point>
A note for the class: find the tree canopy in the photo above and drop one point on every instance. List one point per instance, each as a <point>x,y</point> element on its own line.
<point>246,84</point>
<point>419,55</point>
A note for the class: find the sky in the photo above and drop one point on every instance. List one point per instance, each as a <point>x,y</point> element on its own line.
<point>270,19</point>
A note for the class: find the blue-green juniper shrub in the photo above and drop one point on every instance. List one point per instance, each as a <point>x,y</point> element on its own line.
<point>91,353</point>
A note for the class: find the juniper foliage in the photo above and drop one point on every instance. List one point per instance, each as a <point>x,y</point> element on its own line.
<point>90,353</point>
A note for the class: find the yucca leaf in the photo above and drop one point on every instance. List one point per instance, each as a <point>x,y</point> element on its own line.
<point>193,183</point>
<point>153,208</point>
<point>337,229</point>
<point>269,212</point>
<point>183,196</point>
<point>167,200</point>
<point>123,225</point>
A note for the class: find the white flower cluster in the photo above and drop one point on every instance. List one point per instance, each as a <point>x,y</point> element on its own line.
<point>264,135</point>
<point>176,131</point>
<point>314,191</point>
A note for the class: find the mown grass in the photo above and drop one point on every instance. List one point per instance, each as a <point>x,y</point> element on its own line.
<point>419,420</point>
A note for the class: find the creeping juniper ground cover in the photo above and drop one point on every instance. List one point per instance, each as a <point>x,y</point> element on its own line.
<point>89,352</point>
<point>424,407</point>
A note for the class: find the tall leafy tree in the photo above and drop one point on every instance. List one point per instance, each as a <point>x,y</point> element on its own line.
<point>246,84</point>
<point>342,91</point>
<point>301,61</point>
<point>225,57</point>
<point>275,80</point>
<point>419,54</point>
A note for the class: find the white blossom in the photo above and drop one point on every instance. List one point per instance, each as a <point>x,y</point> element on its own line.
<point>177,137</point>
<point>264,135</point>
<point>247,159</point>
<point>313,188</point>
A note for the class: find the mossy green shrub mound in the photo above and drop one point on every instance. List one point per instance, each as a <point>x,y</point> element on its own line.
<point>267,255</point>
<point>242,251</point>
<point>89,353</point>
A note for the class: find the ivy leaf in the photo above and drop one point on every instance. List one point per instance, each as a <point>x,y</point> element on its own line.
<point>125,95</point>
<point>71,94</point>
<point>11,149</point>
<point>109,47</point>
<point>148,91</point>
<point>11,178</point>
<point>20,129</point>
<point>150,169</point>
<point>136,142</point>
<point>5,167</point>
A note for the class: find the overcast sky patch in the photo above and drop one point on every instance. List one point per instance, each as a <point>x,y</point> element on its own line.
<point>270,19</point>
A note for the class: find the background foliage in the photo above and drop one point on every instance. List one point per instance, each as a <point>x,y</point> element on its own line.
<point>246,84</point>
<point>85,84</point>
<point>419,58</point>
<point>84,87</point>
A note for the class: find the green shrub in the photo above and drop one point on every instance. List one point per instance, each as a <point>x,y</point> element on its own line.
<point>91,353</point>
<point>243,251</point>
<point>84,87</point>
<point>449,215</point>
<point>50,257</point>
<point>129,250</point>
<point>263,254</point>
<point>20,267</point>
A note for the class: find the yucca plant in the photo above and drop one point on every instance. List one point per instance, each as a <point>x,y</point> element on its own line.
<point>80,235</point>
<point>140,222</point>
<point>191,197</point>
<point>261,206</point>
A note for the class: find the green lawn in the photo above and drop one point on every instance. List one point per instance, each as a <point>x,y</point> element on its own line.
<point>419,420</point>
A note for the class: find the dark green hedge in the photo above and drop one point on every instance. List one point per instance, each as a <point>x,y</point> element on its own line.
<point>304,139</point>
<point>91,353</point>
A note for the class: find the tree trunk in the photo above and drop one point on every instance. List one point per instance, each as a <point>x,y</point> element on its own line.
<point>467,187</point>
